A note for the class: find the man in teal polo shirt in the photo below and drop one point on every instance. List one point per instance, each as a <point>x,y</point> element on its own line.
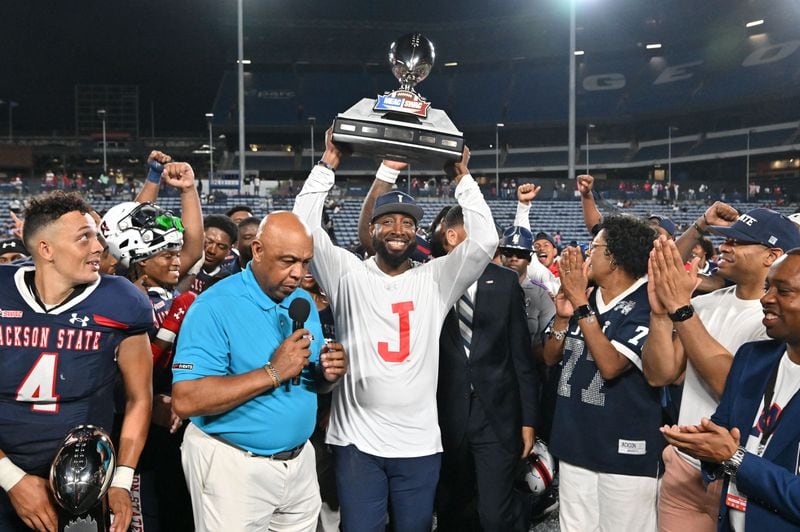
<point>245,456</point>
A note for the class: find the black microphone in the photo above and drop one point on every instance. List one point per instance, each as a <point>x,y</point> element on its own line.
<point>299,310</point>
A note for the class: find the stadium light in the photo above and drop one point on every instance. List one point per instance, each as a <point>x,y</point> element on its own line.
<point>451,64</point>
<point>312,120</point>
<point>11,105</point>
<point>210,119</point>
<point>497,158</point>
<point>653,46</point>
<point>747,168</point>
<point>670,129</point>
<point>102,114</point>
<point>240,79</point>
<point>579,52</point>
<point>244,61</point>
<point>754,23</point>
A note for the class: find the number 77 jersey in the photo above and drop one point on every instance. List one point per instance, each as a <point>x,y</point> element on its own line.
<point>58,368</point>
<point>609,426</point>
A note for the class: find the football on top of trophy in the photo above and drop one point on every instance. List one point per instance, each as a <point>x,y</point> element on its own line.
<point>82,470</point>
<point>411,57</point>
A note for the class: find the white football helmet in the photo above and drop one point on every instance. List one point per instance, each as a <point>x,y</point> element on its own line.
<point>135,231</point>
<point>540,469</point>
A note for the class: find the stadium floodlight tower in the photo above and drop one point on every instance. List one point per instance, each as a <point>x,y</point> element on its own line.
<point>497,158</point>
<point>670,129</point>
<point>588,127</point>
<point>210,119</point>
<point>11,105</point>
<point>312,120</point>
<point>102,114</point>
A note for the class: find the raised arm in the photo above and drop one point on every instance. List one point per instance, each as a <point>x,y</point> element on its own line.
<point>526,193</point>
<point>329,260</point>
<point>460,268</point>
<point>181,176</point>
<point>152,183</point>
<point>385,179</point>
<point>591,215</point>
<point>717,214</point>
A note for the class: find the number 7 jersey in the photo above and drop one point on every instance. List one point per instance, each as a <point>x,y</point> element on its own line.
<point>58,368</point>
<point>609,426</point>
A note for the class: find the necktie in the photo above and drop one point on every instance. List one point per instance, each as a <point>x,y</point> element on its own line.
<point>465,310</point>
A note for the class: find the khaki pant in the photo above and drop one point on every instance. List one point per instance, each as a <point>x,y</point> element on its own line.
<point>234,492</point>
<point>685,503</point>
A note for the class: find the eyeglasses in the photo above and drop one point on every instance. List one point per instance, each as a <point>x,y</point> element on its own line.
<point>732,242</point>
<point>518,253</point>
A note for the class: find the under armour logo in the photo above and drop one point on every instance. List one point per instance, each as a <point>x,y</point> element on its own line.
<point>84,321</point>
<point>180,312</point>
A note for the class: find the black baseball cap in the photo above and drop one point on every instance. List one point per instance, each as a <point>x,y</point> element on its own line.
<point>763,226</point>
<point>13,245</point>
<point>397,202</point>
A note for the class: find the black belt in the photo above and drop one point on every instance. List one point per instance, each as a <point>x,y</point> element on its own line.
<point>289,454</point>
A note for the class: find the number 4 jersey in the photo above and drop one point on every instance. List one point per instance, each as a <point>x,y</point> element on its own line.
<point>609,426</point>
<point>58,368</point>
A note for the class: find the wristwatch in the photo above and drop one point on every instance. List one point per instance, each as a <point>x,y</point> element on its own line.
<point>584,311</point>
<point>682,314</point>
<point>732,464</point>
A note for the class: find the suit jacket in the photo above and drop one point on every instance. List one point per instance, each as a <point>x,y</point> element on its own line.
<point>771,482</point>
<point>500,367</point>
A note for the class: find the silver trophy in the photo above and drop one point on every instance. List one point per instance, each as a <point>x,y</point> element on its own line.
<point>401,125</point>
<point>80,476</point>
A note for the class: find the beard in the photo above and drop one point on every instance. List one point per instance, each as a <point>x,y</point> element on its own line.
<point>393,258</point>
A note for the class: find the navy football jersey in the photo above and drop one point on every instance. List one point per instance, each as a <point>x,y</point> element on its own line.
<point>609,426</point>
<point>231,262</point>
<point>203,278</point>
<point>161,300</point>
<point>58,368</point>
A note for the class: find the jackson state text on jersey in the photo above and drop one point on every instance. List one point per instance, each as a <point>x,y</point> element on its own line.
<point>609,426</point>
<point>57,369</point>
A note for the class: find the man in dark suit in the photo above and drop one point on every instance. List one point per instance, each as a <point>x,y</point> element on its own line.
<point>753,439</point>
<point>487,399</point>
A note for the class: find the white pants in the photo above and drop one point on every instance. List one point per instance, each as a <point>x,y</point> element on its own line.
<point>590,501</point>
<point>232,491</point>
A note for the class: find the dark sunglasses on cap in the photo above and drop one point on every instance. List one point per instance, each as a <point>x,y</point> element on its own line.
<point>518,253</point>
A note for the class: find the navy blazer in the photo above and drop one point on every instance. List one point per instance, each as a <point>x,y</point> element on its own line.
<point>771,482</point>
<point>500,369</point>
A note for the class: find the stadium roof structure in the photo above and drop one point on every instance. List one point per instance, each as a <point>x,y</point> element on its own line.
<point>469,31</point>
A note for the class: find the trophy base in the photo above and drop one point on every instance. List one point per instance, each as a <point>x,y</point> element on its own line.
<point>95,520</point>
<point>374,134</point>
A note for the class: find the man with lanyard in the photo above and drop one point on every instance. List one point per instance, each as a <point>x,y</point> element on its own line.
<point>753,438</point>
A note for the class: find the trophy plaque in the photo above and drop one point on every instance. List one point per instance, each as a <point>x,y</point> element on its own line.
<point>80,476</point>
<point>401,125</point>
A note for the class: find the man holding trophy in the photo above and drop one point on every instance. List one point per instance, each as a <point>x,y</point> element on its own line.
<point>66,333</point>
<point>384,428</point>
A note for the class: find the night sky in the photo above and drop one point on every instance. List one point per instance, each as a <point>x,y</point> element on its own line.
<point>175,50</point>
